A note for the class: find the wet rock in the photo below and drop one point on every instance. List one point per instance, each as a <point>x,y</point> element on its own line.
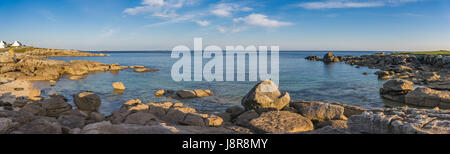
<point>281,122</point>
<point>330,130</point>
<point>186,94</point>
<point>118,86</point>
<point>87,101</point>
<point>427,97</point>
<point>396,90</point>
<point>235,111</point>
<point>265,96</point>
<point>76,77</point>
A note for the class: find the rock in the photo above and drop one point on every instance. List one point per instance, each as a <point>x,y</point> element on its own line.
<point>396,90</point>
<point>202,93</point>
<point>41,125</point>
<point>142,118</point>
<point>401,121</point>
<point>55,105</point>
<point>160,93</point>
<point>72,120</point>
<point>315,58</point>
<point>106,127</point>
<point>427,97</point>
<point>6,59</point>
<point>333,123</point>
<point>235,111</point>
<point>350,110</point>
<point>430,76</point>
<point>87,101</point>
<point>245,118</point>
<point>366,73</point>
<point>281,122</point>
<point>319,112</point>
<point>265,96</point>
<point>186,94</point>
<point>35,109</point>
<point>118,86</point>
<point>130,103</point>
<point>330,130</point>
<point>76,77</point>
<point>177,114</point>
<point>95,117</point>
<point>145,70</point>
<point>402,68</point>
<point>330,58</point>
<point>6,125</point>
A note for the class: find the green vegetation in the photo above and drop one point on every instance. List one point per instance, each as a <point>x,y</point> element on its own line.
<point>442,52</point>
<point>19,49</point>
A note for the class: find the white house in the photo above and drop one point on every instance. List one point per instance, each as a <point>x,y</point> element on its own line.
<point>17,44</point>
<point>3,44</point>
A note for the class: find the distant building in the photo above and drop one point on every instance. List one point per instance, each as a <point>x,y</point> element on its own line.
<point>3,44</point>
<point>17,44</point>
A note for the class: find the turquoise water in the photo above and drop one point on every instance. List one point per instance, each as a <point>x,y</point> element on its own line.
<point>304,80</point>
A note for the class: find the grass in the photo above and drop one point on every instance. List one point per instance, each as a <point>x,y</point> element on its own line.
<point>442,52</point>
<point>19,49</point>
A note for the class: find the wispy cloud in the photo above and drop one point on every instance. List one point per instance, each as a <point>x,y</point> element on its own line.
<point>202,22</point>
<point>339,4</point>
<point>261,21</point>
<point>227,9</point>
<point>159,8</point>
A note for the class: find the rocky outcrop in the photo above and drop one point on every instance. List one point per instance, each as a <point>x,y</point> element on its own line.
<point>396,90</point>
<point>265,96</point>
<point>401,121</point>
<point>315,58</point>
<point>145,70</point>
<point>319,111</point>
<point>330,58</point>
<point>427,97</point>
<point>87,101</point>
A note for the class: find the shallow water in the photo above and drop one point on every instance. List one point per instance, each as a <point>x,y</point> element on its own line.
<point>303,79</point>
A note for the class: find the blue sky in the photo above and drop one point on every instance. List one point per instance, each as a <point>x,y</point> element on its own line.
<point>292,24</point>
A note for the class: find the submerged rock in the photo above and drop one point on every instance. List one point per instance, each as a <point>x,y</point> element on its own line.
<point>265,96</point>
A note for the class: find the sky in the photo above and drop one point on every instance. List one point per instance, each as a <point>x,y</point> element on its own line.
<point>337,25</point>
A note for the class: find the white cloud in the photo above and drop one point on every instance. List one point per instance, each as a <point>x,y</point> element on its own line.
<point>233,29</point>
<point>202,22</point>
<point>222,29</point>
<point>227,9</point>
<point>159,8</point>
<point>262,21</point>
<point>338,4</point>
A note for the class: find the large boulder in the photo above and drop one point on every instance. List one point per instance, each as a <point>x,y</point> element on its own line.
<point>265,96</point>
<point>396,90</point>
<point>73,119</point>
<point>5,125</point>
<point>87,101</point>
<point>427,97</point>
<point>281,122</point>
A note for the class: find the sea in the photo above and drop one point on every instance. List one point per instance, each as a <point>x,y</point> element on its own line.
<point>302,79</point>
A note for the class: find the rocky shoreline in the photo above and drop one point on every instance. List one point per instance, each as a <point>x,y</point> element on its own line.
<point>264,109</point>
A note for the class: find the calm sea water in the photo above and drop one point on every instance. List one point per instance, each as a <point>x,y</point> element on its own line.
<point>304,80</point>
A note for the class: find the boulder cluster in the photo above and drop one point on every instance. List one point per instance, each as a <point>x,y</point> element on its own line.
<point>184,94</point>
